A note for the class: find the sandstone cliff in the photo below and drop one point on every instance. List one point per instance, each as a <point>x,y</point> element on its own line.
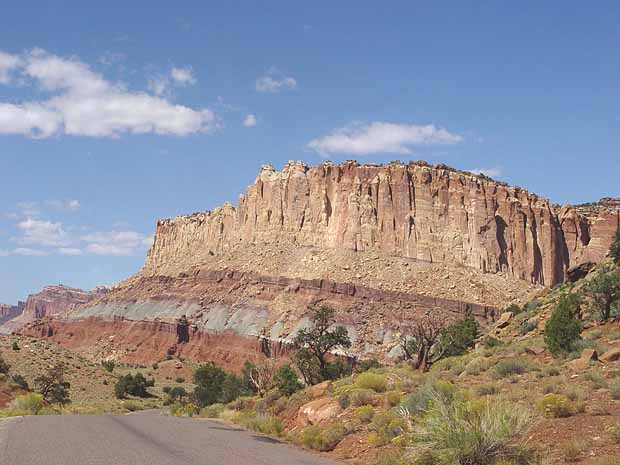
<point>428,213</point>
<point>8,312</point>
<point>51,301</point>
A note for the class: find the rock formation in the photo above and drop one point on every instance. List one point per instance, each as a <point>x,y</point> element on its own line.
<point>8,312</point>
<point>51,301</point>
<point>427,213</point>
<point>380,244</point>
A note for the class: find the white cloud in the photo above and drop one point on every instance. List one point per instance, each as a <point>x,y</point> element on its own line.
<point>490,172</point>
<point>83,103</point>
<point>29,252</point>
<point>69,251</point>
<point>118,243</point>
<point>159,85</point>
<point>275,81</point>
<point>29,208</point>
<point>249,121</point>
<point>71,205</point>
<point>42,233</point>
<point>380,137</point>
<point>183,76</point>
<point>7,64</point>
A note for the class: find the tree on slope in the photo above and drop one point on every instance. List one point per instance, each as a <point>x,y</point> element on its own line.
<point>314,345</point>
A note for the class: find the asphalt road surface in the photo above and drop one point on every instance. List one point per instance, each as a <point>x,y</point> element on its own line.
<point>145,438</point>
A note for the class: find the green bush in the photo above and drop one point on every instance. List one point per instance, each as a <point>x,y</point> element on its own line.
<point>555,406</point>
<point>487,390</point>
<point>596,379</point>
<point>528,326</point>
<point>286,381</point>
<point>476,432</point>
<point>458,337</point>
<point>393,398</point>
<point>354,396</point>
<point>213,410</point>
<point>370,380</point>
<point>385,427</point>
<point>20,381</point>
<point>4,367</point>
<point>491,342</point>
<point>131,385</point>
<point>31,403</point>
<point>365,413</point>
<point>108,365</point>
<point>511,366</point>
<point>563,329</point>
<point>213,385</point>
<point>368,364</point>
<point>514,309</point>
<point>15,345</point>
<point>314,437</point>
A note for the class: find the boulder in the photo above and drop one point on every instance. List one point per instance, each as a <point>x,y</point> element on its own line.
<point>580,271</point>
<point>317,411</point>
<point>611,355</point>
<point>535,350</point>
<point>504,320</point>
<point>583,362</point>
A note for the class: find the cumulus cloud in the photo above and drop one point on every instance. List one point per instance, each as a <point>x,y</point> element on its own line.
<point>7,64</point>
<point>380,137</point>
<point>42,233</point>
<point>69,251</point>
<point>249,121</point>
<point>117,243</point>
<point>275,81</point>
<point>183,76</point>
<point>84,103</point>
<point>490,172</point>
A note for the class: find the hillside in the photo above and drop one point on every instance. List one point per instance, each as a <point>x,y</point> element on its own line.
<point>380,243</point>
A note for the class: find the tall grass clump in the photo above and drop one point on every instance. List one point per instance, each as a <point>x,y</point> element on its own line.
<point>480,432</point>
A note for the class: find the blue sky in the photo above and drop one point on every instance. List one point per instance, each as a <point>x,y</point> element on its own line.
<point>113,117</point>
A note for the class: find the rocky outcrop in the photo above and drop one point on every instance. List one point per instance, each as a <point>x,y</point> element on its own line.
<point>8,312</point>
<point>51,301</point>
<point>416,211</point>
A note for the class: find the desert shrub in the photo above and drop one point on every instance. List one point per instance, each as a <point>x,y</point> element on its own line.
<point>487,390</point>
<point>614,390</point>
<point>354,396</point>
<point>188,410</point>
<point>368,364</point>
<point>31,403</point>
<point>575,393</point>
<point>460,336</point>
<point>365,413</point>
<point>131,385</point>
<point>393,398</point>
<point>490,342</point>
<point>556,406</point>
<point>261,422</point>
<point>286,381</point>
<point>131,405</point>
<point>596,379</point>
<point>603,292</point>
<point>613,431</point>
<point>180,380</point>
<point>15,345</point>
<point>477,432</point>
<point>420,400</point>
<point>108,365</point>
<point>477,365</point>
<point>528,326</point>
<point>571,450</point>
<point>213,385</point>
<point>52,385</point>
<point>549,371</point>
<point>510,367</point>
<point>20,381</point>
<point>212,411</point>
<point>4,367</point>
<point>385,427</point>
<point>314,437</point>
<point>242,403</point>
<point>514,309</point>
<point>370,380</point>
<point>563,329</point>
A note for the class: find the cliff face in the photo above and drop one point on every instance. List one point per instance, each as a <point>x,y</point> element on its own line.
<point>8,312</point>
<point>51,301</point>
<point>430,214</point>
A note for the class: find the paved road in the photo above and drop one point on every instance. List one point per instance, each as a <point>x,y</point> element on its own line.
<point>145,438</point>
